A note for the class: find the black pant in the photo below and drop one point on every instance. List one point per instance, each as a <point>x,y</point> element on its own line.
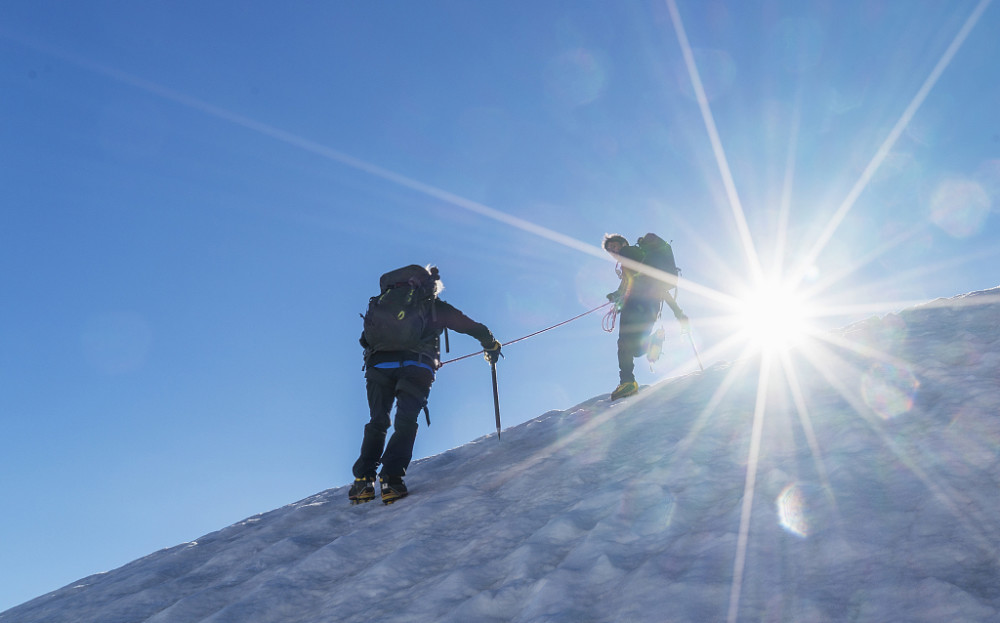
<point>409,387</point>
<point>635,323</point>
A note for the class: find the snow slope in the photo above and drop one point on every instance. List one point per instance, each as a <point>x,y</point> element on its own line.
<point>869,495</point>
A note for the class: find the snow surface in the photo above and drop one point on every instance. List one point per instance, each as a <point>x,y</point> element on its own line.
<point>871,496</point>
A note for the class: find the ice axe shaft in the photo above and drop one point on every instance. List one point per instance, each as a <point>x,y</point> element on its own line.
<point>496,396</point>
<point>695,349</point>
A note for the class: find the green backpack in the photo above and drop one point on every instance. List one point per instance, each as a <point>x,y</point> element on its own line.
<point>398,318</point>
<point>658,254</point>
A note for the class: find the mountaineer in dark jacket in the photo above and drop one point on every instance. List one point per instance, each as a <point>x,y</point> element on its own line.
<point>638,298</point>
<point>402,353</point>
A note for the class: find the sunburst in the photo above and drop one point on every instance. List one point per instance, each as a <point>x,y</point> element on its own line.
<point>772,318</point>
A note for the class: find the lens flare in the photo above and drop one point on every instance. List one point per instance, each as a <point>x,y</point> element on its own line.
<point>577,77</point>
<point>889,389</point>
<point>792,511</point>
<point>804,509</point>
<point>960,207</point>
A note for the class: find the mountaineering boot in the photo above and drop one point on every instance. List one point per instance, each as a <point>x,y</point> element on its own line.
<point>393,488</point>
<point>625,389</point>
<point>363,490</point>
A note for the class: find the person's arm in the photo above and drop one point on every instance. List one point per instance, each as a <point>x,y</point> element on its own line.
<point>452,318</point>
<point>678,313</point>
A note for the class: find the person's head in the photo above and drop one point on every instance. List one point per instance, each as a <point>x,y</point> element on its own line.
<point>436,277</point>
<point>614,243</point>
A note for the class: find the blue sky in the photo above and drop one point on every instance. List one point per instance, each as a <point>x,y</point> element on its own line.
<point>198,201</point>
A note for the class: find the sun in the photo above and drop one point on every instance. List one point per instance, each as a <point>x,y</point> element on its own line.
<point>773,317</point>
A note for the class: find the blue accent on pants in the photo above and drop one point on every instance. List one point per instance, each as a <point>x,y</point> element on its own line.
<point>402,364</point>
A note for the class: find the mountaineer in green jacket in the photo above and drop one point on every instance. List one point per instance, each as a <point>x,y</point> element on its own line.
<point>638,298</point>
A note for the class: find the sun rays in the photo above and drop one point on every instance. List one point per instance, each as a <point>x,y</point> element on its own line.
<point>771,319</point>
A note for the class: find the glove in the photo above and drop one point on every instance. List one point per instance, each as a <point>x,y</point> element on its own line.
<point>685,323</point>
<point>491,353</point>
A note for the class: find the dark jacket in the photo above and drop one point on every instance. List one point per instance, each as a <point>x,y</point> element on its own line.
<point>445,316</point>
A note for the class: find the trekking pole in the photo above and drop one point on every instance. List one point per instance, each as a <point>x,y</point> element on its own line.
<point>496,396</point>
<point>695,349</point>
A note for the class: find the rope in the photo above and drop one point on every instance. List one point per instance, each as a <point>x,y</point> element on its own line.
<point>608,324</point>
<point>530,335</point>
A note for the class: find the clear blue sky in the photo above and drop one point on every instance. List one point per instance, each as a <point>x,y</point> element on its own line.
<point>198,199</point>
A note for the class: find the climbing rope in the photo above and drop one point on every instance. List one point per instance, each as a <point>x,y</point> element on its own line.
<point>608,323</point>
<point>530,335</point>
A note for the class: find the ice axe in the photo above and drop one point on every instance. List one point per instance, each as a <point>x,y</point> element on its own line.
<point>496,396</point>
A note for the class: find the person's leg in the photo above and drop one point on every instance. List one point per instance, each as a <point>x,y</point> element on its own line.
<point>637,320</point>
<point>646,318</point>
<point>412,390</point>
<point>381,386</point>
<point>632,329</point>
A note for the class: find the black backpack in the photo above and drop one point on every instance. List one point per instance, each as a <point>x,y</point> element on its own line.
<point>659,255</point>
<point>399,317</point>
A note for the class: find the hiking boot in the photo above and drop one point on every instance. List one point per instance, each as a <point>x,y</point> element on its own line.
<point>363,490</point>
<point>625,389</point>
<point>393,488</point>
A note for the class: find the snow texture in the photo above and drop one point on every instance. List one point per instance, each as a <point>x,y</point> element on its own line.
<point>868,494</point>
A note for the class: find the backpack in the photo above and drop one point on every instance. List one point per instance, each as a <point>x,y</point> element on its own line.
<point>659,255</point>
<point>398,318</point>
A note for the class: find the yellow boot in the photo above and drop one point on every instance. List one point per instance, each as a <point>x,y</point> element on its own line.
<point>625,389</point>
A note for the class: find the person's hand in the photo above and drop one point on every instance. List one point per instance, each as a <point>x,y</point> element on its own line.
<point>685,323</point>
<point>491,353</point>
